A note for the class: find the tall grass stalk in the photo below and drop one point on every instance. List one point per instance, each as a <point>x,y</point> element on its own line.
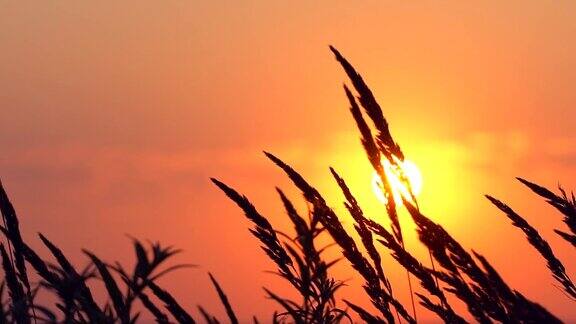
<point>455,273</point>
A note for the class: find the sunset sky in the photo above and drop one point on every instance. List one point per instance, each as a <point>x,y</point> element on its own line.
<point>114,114</point>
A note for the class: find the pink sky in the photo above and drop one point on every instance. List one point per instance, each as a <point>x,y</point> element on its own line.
<point>115,114</point>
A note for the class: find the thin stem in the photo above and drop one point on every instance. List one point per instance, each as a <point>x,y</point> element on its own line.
<point>410,288</point>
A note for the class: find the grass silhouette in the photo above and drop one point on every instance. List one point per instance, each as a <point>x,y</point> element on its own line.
<point>461,274</point>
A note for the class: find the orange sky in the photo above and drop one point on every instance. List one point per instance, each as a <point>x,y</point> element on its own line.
<point>114,115</point>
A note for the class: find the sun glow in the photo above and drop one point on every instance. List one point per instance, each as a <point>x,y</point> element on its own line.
<point>403,178</point>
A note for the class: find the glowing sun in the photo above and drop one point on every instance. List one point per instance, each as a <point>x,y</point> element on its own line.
<point>403,178</point>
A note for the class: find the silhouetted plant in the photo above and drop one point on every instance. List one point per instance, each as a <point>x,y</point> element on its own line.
<point>480,287</point>
<point>299,262</point>
<point>462,274</point>
<point>563,203</point>
<point>75,303</point>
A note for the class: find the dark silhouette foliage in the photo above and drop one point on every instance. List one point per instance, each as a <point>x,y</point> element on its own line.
<point>462,274</point>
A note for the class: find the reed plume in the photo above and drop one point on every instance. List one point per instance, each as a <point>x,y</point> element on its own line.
<point>463,275</point>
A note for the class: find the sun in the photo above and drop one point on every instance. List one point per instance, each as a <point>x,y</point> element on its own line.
<point>401,181</point>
